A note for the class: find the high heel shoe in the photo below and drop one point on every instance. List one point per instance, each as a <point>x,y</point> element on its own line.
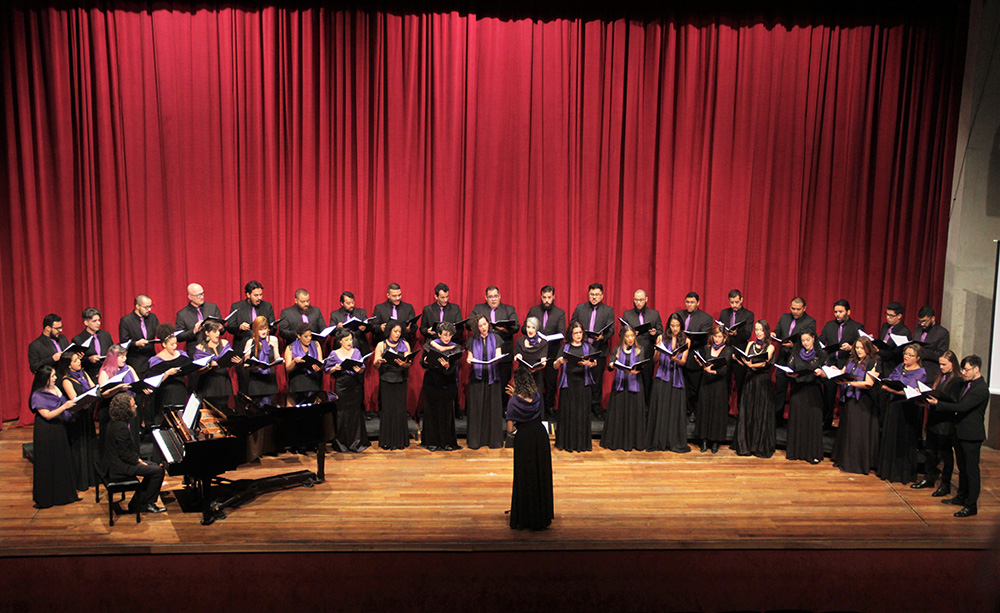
<point>704,445</point>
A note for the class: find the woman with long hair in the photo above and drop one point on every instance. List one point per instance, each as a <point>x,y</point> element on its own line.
<point>531,492</point>
<point>713,398</point>
<point>755,429</point>
<point>263,348</point>
<point>53,481</point>
<point>666,423</point>
<point>897,456</point>
<point>84,450</point>
<point>484,399</point>
<point>805,404</point>
<point>349,385</point>
<point>440,390</point>
<point>625,424</point>
<point>856,447</point>
<point>214,382</point>
<point>573,431</point>
<point>941,428</point>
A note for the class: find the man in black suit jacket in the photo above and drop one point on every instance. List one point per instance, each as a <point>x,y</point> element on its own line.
<point>893,356</point>
<point>46,350</point>
<point>100,341</point>
<point>838,336</point>
<point>936,337</point>
<point>638,316</point>
<point>595,316</point>
<point>347,311</point>
<point>442,309</point>
<point>393,309</point>
<point>970,432</point>
<point>300,312</point>
<point>790,326</point>
<point>495,312</point>
<point>121,455</point>
<point>694,320</point>
<point>239,325</point>
<point>139,326</point>
<point>190,318</point>
<point>743,319</point>
<point>553,321</point>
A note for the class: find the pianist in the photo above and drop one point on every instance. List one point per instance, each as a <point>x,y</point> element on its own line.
<point>121,448</point>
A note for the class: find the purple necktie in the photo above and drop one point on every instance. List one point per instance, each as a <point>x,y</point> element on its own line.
<point>967,388</point>
<point>394,316</point>
<point>887,333</point>
<point>791,328</point>
<point>97,345</point>
<point>305,318</point>
<point>840,333</point>
<point>923,337</point>
<point>687,322</point>
<point>253,313</point>
<point>545,319</point>
<point>142,326</point>
<point>493,316</point>
<point>641,322</point>
<point>732,320</point>
<point>54,342</point>
<point>593,318</point>
<point>442,313</point>
<point>200,316</point>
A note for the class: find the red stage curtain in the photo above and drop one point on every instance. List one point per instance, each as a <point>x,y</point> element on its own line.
<point>339,149</point>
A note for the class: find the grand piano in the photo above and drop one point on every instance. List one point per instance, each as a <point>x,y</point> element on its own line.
<point>205,440</point>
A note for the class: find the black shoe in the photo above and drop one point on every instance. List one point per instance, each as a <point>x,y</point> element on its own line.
<point>967,512</point>
<point>152,508</point>
<point>955,501</point>
<point>814,461</point>
<point>704,446</point>
<point>922,484</point>
<point>944,490</point>
<point>432,448</point>
<point>715,448</point>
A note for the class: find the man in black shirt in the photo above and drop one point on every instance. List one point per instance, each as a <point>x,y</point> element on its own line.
<point>697,325</point>
<point>394,309</point>
<point>190,318</point>
<point>790,326</point>
<point>442,309</point>
<point>100,341</point>
<point>239,325</point>
<point>347,311</point>
<point>934,339</point>
<point>638,317</point>
<point>503,318</point>
<point>300,312</point>
<point>838,336</point>
<point>46,350</point>
<point>553,321</point>
<point>743,320</point>
<point>596,316</point>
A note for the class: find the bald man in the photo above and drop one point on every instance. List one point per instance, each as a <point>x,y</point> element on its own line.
<point>193,314</point>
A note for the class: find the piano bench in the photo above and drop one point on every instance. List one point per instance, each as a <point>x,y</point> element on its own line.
<point>122,486</point>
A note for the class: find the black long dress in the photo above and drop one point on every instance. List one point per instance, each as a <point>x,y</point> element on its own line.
<point>350,389</point>
<point>531,504</point>
<point>755,430</point>
<point>53,481</point>
<point>573,429</point>
<point>532,354</point>
<point>83,443</point>
<point>439,391</point>
<point>393,430</point>
<point>805,409</point>
<point>625,423</point>
<point>262,381</point>
<point>214,383</point>
<point>484,401</point>
<point>897,457</point>
<point>856,447</point>
<point>666,422</point>
<point>713,399</point>
<point>173,391</point>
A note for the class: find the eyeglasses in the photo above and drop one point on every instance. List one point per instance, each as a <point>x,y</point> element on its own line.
<point>909,355</point>
<point>968,369</point>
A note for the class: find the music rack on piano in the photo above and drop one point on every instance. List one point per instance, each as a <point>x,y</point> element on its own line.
<point>204,441</point>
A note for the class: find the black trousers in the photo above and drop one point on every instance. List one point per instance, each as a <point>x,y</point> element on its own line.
<point>692,385</point>
<point>597,389</point>
<point>781,381</point>
<point>938,450</point>
<point>151,479</point>
<point>739,376</point>
<point>969,481</point>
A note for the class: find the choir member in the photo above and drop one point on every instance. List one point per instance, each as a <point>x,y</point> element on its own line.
<point>305,377</point>
<point>755,429</point>
<point>892,356</point>
<point>666,424</point>
<point>262,381</point>
<point>300,312</point>
<point>168,361</point>
<point>503,320</point>
<point>969,412</point>
<point>239,325</point>
<point>596,317</point>
<point>393,372</point>
<point>941,427</point>
<point>553,323</point>
<point>483,395</point>
<point>440,390</point>
<point>640,317</point>
<point>122,456</point>
<point>214,383</point>
<point>531,491</point>
<point>46,350</point>
<point>191,317</point>
<point>533,349</point>
<point>349,385</point>
<point>713,398</point>
<point>837,339</point>
<point>697,325</point>
<point>897,459</point>
<point>394,309</point>
<point>739,322</point>
<point>349,312</point>
<point>856,447</point>
<point>139,327</point>
<point>573,429</point>
<point>116,364</point>
<point>83,447</point>
<point>624,427</point>
<point>442,309</point>
<point>53,481</point>
<point>790,325</point>
<point>99,339</point>
<point>934,340</point>
<point>805,406</point>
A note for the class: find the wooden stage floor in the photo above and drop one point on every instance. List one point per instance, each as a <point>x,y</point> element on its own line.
<point>415,500</point>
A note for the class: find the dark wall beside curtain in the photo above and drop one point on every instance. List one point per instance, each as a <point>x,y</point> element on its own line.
<point>147,147</point>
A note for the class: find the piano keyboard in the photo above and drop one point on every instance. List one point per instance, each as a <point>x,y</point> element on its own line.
<point>170,445</point>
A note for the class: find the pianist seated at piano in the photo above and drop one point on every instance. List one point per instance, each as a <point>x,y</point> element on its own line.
<point>263,347</point>
<point>305,375</point>
<point>121,456</point>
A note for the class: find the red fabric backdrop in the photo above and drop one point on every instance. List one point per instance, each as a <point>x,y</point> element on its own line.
<point>343,149</point>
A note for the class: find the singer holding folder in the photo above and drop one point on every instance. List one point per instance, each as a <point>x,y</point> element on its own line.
<point>349,385</point>
<point>484,402</point>
<point>393,372</point>
<point>755,430</point>
<point>666,423</point>
<point>626,420</point>
<point>577,359</point>
<point>52,470</point>
<point>440,390</point>
<point>262,381</point>
<point>303,359</point>
<point>713,399</point>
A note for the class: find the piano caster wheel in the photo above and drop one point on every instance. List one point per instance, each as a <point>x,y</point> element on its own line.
<point>308,483</point>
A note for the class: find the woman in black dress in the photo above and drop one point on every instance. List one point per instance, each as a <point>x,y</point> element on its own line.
<point>805,405</point>
<point>173,390</point>
<point>941,427</point>
<point>531,493</point>
<point>625,424</point>
<point>263,348</point>
<point>393,430</point>
<point>305,376</point>
<point>533,349</point>
<point>214,383</point>
<point>573,419</point>
<point>713,398</point>
<point>440,390</point>
<point>755,433</point>
<point>856,447</point>
<point>53,481</point>
<point>349,385</point>
<point>666,424</point>
<point>84,450</point>
<point>897,455</point>
<point>484,400</point>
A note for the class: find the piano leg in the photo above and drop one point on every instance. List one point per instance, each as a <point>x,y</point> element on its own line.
<point>208,513</point>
